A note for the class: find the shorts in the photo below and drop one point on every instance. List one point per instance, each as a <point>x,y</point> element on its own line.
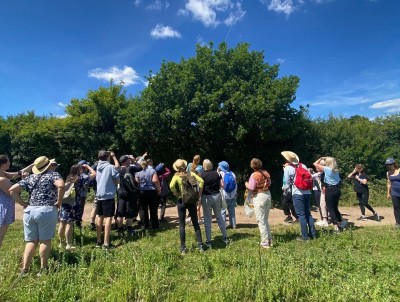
<point>105,208</point>
<point>67,213</point>
<point>127,207</point>
<point>40,222</point>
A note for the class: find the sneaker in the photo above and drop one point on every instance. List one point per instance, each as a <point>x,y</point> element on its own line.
<point>377,217</point>
<point>343,224</point>
<point>208,244</point>
<point>99,244</point>
<point>200,247</point>
<point>69,247</point>
<point>225,240</point>
<point>183,250</point>
<point>23,273</point>
<point>42,271</point>
<point>322,223</point>
<point>288,219</point>
<point>265,245</point>
<point>108,246</point>
<point>362,218</point>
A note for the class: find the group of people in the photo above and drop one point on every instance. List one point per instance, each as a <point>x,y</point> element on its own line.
<point>141,188</point>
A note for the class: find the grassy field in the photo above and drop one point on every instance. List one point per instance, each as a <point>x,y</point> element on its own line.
<point>357,265</point>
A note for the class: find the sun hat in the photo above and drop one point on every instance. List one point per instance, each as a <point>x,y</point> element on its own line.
<point>291,157</point>
<point>223,166</point>
<point>41,164</point>
<point>390,161</point>
<point>180,165</point>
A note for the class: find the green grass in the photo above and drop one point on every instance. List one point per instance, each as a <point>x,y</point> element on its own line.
<point>357,265</point>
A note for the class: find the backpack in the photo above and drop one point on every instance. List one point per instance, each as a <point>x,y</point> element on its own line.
<point>127,185</point>
<point>69,194</point>
<point>229,182</point>
<point>302,178</point>
<point>190,186</point>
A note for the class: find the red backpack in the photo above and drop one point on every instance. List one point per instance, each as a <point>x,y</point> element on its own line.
<point>302,178</point>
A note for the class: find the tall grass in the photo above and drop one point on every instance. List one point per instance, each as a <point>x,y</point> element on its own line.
<point>357,265</point>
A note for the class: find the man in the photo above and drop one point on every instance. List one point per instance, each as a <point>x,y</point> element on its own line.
<point>127,205</point>
<point>107,178</point>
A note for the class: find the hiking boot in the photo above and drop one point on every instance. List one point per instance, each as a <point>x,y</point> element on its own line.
<point>377,217</point>
<point>362,218</point>
<point>288,219</point>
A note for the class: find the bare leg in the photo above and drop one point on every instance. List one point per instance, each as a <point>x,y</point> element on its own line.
<point>61,231</point>
<point>3,231</point>
<point>44,253</point>
<point>69,231</point>
<point>30,248</point>
<point>99,226</point>
<point>120,221</point>
<point>107,230</point>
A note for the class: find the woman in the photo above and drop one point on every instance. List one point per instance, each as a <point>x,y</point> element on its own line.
<point>195,167</point>
<point>229,192</point>
<point>176,186</point>
<point>319,195</point>
<point>258,187</point>
<point>300,197</point>
<point>70,212</point>
<point>163,173</point>
<point>332,190</point>
<point>393,187</point>
<point>46,188</point>
<point>149,190</point>
<point>7,205</point>
<point>211,201</point>
<point>360,181</point>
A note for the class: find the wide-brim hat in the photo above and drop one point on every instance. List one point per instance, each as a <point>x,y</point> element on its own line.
<point>41,164</point>
<point>223,166</point>
<point>291,157</point>
<point>179,165</point>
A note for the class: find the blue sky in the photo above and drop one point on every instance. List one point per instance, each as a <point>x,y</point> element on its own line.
<point>345,52</point>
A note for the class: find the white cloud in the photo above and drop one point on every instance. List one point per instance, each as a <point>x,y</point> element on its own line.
<point>61,104</point>
<point>287,7</point>
<point>206,11</point>
<point>138,2</point>
<point>127,75</point>
<point>281,61</point>
<point>389,105</point>
<point>158,5</point>
<point>163,32</point>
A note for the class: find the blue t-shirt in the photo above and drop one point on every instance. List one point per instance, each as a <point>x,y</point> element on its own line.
<point>331,177</point>
<point>145,179</point>
<point>395,188</point>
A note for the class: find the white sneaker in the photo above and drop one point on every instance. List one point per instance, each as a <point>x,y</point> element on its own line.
<point>322,223</point>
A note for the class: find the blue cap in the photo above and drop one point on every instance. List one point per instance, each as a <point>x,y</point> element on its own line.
<point>223,166</point>
<point>390,161</point>
<point>160,168</point>
<point>83,162</point>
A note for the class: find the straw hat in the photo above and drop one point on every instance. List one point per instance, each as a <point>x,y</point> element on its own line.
<point>291,157</point>
<point>41,164</point>
<point>180,165</point>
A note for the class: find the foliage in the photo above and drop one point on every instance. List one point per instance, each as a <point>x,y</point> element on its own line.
<point>352,266</point>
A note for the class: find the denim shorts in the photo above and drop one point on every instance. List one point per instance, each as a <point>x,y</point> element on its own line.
<point>40,222</point>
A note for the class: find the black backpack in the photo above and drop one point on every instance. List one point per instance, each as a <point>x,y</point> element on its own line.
<point>190,187</point>
<point>127,184</point>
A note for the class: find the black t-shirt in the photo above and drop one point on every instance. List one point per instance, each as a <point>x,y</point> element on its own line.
<point>359,187</point>
<point>211,182</point>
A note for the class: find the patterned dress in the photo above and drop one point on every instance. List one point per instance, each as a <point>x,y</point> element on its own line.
<point>7,208</point>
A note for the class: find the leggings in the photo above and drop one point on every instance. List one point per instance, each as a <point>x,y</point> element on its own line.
<point>396,208</point>
<point>192,208</point>
<point>332,196</point>
<point>363,202</point>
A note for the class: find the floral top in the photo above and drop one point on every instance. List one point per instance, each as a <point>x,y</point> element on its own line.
<point>45,192</point>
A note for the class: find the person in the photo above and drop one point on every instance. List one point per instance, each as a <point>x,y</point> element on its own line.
<point>393,187</point>
<point>176,186</point>
<point>86,177</point>
<point>360,182</point>
<point>258,189</point>
<point>319,195</point>
<point>107,177</point>
<point>197,168</point>
<point>229,193</point>
<point>211,201</point>
<point>332,191</point>
<point>127,206</point>
<point>149,190</point>
<point>163,173</point>
<point>46,189</point>
<point>7,205</point>
<point>287,202</point>
<point>301,197</point>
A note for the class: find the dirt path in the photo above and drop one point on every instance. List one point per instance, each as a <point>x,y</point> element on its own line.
<point>276,216</point>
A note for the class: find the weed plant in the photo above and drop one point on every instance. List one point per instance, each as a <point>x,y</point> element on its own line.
<point>360,264</point>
